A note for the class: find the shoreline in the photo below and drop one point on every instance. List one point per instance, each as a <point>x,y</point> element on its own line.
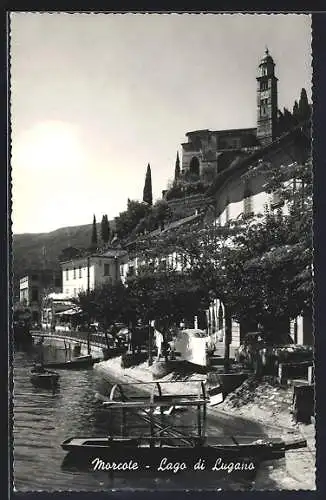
<point>295,472</point>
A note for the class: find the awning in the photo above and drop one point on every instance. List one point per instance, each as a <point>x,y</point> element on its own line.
<point>69,312</point>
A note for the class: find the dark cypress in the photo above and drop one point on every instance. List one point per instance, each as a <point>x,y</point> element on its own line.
<point>147,193</point>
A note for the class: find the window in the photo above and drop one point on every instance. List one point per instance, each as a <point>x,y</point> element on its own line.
<point>67,274</point>
<point>74,273</point>
<point>263,85</point>
<point>121,270</point>
<point>80,272</point>
<point>107,270</point>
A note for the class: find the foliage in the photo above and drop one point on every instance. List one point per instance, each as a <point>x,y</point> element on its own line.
<point>301,112</point>
<point>166,295</point>
<point>94,235</point>
<point>147,192</point>
<point>184,189</point>
<point>157,216</point>
<point>295,110</point>
<point>105,229</point>
<point>177,168</point>
<point>304,108</point>
<point>127,221</point>
<point>106,304</point>
<point>69,253</point>
<point>260,267</point>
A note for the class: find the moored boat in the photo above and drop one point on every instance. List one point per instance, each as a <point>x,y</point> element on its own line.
<point>44,378</point>
<point>81,362</point>
<point>261,449</point>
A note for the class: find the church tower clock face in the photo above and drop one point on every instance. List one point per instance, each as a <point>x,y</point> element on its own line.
<point>266,100</point>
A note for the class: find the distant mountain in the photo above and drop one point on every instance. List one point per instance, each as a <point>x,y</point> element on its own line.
<point>41,250</point>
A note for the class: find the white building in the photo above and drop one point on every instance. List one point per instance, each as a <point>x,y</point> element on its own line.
<point>86,273</point>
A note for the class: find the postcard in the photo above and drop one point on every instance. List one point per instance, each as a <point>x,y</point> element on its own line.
<point>162,294</point>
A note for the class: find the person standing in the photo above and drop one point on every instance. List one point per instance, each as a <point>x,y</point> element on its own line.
<point>159,342</point>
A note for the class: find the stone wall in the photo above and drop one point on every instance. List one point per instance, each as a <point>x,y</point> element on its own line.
<point>190,204</point>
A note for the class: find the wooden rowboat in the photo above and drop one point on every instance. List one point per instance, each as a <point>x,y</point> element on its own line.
<point>46,378</point>
<point>264,449</point>
<point>79,363</point>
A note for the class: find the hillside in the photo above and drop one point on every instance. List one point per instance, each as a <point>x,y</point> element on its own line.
<point>35,251</point>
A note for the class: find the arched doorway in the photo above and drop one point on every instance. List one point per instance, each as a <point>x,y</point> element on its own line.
<point>194,167</point>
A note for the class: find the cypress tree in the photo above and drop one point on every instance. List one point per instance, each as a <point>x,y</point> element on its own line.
<point>94,234</point>
<point>177,168</point>
<point>295,111</point>
<point>105,229</point>
<point>147,192</point>
<point>304,108</point>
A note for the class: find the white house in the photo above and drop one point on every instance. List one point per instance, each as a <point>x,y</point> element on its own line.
<point>86,273</point>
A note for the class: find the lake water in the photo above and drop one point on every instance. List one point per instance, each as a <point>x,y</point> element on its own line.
<point>43,420</point>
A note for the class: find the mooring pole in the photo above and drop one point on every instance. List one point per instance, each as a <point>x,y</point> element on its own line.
<point>123,422</point>
<point>150,353</point>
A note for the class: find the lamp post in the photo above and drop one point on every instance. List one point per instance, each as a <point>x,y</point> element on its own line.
<point>88,288</point>
<point>150,352</point>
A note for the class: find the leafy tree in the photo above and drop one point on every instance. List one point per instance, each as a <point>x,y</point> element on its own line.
<point>107,304</point>
<point>127,221</point>
<point>260,267</point>
<point>105,229</point>
<point>147,193</point>
<point>69,253</point>
<point>166,296</point>
<point>94,235</point>
<point>177,168</point>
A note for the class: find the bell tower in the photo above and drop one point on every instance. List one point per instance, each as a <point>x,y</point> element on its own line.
<point>266,100</point>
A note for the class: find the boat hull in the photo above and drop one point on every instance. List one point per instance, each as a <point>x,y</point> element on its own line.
<point>47,380</point>
<point>106,447</point>
<point>81,363</point>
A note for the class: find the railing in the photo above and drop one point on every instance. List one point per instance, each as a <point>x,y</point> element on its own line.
<point>95,339</point>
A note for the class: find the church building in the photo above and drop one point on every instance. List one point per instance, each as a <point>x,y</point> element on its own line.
<point>207,152</point>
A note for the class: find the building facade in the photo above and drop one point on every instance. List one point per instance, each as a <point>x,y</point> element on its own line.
<point>220,159</point>
<point>207,153</point>
<point>239,194</point>
<point>86,273</point>
<point>34,287</point>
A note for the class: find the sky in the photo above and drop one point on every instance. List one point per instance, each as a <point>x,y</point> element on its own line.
<point>96,97</point>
